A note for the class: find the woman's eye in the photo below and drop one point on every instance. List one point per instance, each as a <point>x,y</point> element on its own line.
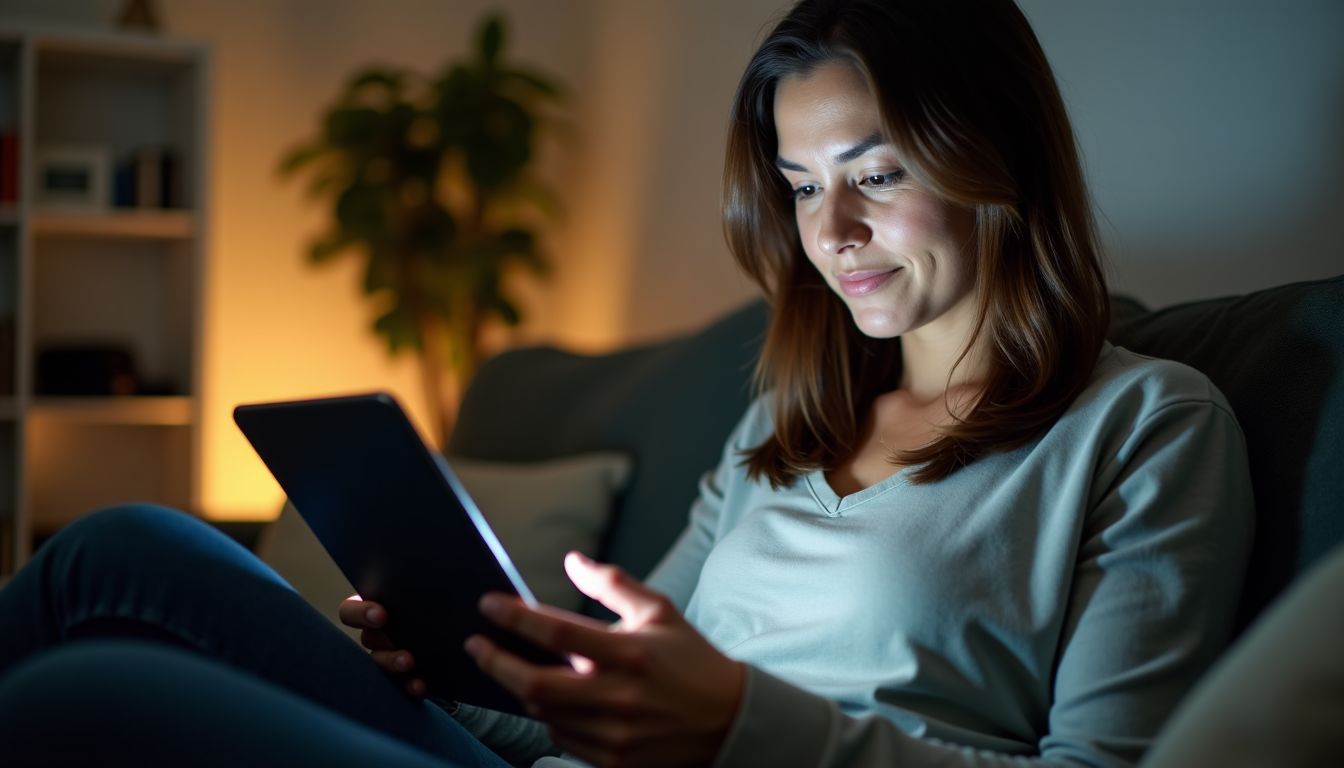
<point>882,180</point>
<point>805,191</point>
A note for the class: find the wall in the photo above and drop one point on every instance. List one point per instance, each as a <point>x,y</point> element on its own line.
<point>1213,133</point>
<point>670,68</point>
<point>1212,130</point>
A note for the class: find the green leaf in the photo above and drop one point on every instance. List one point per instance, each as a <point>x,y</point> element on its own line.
<point>323,249</point>
<point>506,310</point>
<point>352,127</point>
<point>382,272</point>
<point>386,79</point>
<point>439,285</point>
<point>500,146</point>
<point>432,231</point>
<point>531,81</point>
<point>535,262</point>
<point>359,212</point>
<point>491,41</point>
<point>544,199</point>
<point>399,328</point>
<point>321,182</point>
<point>300,156</point>
<point>459,100</point>
<point>516,240</point>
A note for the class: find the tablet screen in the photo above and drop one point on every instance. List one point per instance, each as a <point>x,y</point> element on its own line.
<point>399,525</point>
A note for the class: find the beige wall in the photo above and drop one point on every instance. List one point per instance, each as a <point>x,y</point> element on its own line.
<point>1211,130</point>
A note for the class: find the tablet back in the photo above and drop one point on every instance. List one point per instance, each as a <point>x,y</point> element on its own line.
<point>400,527</point>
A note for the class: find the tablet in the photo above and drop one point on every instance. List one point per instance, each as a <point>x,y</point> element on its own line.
<point>400,526</point>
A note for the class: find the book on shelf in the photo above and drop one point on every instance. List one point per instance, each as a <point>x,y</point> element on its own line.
<point>9,166</point>
<point>146,178</point>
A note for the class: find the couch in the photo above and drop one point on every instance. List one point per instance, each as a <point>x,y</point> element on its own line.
<point>1277,354</point>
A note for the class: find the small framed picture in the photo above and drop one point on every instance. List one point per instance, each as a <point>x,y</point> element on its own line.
<point>71,177</point>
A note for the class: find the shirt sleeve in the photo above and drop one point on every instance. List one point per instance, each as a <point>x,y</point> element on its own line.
<point>1156,579</point>
<point>677,574</point>
<point>519,740</point>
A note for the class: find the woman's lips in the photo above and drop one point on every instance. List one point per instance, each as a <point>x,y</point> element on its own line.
<point>864,282</point>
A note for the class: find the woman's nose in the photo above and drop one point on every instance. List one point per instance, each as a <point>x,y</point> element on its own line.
<point>842,225</point>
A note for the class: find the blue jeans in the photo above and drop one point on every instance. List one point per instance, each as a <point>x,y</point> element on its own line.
<point>142,635</point>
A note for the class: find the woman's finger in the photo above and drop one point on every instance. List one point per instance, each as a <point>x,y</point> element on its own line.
<point>635,603</point>
<point>539,686</point>
<point>362,614</point>
<point>563,632</point>
<point>394,661</point>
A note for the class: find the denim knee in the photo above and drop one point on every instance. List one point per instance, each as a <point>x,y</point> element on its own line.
<point>142,536</point>
<point>121,524</point>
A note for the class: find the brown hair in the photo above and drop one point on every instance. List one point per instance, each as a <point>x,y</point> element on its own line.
<point>971,107</point>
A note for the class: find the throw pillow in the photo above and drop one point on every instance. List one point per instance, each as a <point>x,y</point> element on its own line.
<point>542,510</point>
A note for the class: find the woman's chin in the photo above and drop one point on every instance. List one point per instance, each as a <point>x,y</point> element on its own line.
<point>878,323</point>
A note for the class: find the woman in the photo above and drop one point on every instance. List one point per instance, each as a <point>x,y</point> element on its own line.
<point>958,527</point>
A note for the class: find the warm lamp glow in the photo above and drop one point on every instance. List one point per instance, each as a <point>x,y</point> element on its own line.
<point>291,332</point>
<point>278,328</point>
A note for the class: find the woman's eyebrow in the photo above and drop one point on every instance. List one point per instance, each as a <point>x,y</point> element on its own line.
<point>858,150</point>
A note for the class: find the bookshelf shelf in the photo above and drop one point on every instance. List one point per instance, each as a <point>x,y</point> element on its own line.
<point>168,411</point>
<point>148,224</point>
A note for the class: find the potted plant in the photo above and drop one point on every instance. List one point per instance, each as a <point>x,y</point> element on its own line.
<point>430,180</point>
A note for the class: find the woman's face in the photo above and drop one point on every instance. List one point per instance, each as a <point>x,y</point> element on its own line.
<point>901,258</point>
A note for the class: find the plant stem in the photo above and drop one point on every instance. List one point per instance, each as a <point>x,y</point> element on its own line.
<point>442,404</point>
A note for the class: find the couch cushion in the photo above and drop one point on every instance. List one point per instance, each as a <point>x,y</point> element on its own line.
<point>541,510</point>
<point>1278,356</point>
<point>670,405</point>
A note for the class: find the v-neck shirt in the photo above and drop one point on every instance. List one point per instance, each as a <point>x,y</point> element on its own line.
<point>1055,600</point>
<point>834,505</point>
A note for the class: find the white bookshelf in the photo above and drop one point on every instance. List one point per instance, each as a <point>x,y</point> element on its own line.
<point>104,274</point>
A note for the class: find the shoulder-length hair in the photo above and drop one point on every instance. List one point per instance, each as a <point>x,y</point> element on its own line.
<point>969,104</point>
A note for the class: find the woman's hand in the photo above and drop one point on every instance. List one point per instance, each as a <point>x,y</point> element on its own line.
<point>648,690</point>
<point>371,617</point>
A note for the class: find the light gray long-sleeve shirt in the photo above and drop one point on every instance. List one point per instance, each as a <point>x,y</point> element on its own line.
<point>1053,603</point>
